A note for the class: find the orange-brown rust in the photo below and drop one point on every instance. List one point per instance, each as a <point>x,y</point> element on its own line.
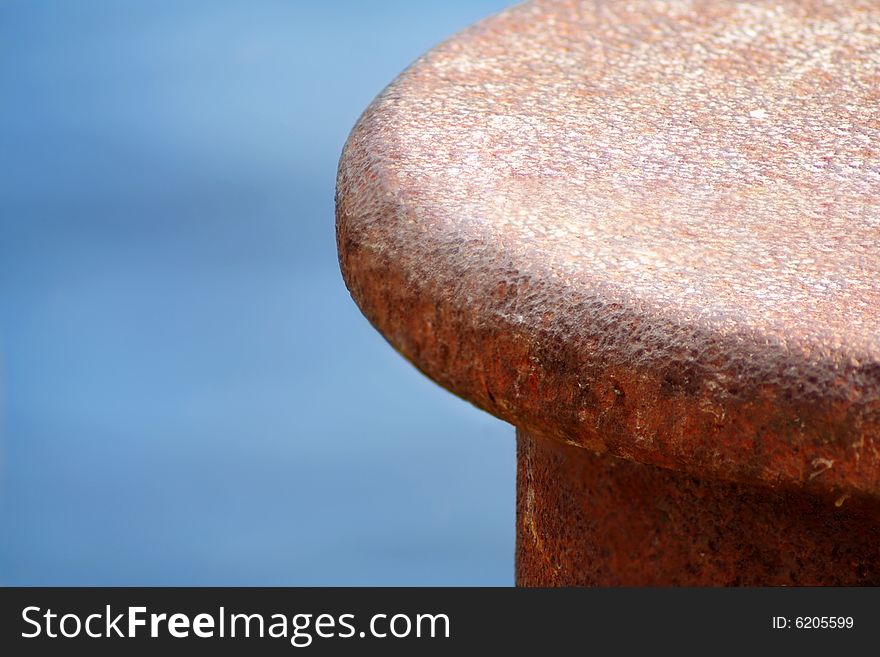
<point>585,219</point>
<point>598,520</point>
<point>650,230</point>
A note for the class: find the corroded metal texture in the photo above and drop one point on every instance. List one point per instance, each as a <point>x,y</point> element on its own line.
<point>646,228</point>
<point>595,519</point>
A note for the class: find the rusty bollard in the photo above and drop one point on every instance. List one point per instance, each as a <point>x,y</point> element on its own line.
<point>648,236</point>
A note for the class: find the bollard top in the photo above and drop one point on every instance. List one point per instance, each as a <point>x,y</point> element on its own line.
<point>651,228</point>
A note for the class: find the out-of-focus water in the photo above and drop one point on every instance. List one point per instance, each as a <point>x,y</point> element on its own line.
<point>188,394</point>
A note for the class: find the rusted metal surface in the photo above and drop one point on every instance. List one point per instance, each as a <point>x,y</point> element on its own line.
<point>645,228</point>
<point>598,520</point>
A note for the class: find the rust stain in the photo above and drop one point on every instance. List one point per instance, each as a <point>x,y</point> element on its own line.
<point>605,521</point>
<point>634,226</point>
<point>647,229</point>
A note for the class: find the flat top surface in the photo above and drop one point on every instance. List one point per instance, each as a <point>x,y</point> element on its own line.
<point>649,185</point>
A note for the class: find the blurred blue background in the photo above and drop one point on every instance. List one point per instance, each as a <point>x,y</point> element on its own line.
<point>188,395</point>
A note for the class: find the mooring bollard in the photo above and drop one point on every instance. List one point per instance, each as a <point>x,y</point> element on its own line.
<point>648,236</point>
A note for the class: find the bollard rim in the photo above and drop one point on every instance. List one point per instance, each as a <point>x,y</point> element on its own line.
<point>645,228</point>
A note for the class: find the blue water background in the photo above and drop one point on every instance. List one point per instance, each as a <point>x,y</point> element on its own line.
<point>188,394</point>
